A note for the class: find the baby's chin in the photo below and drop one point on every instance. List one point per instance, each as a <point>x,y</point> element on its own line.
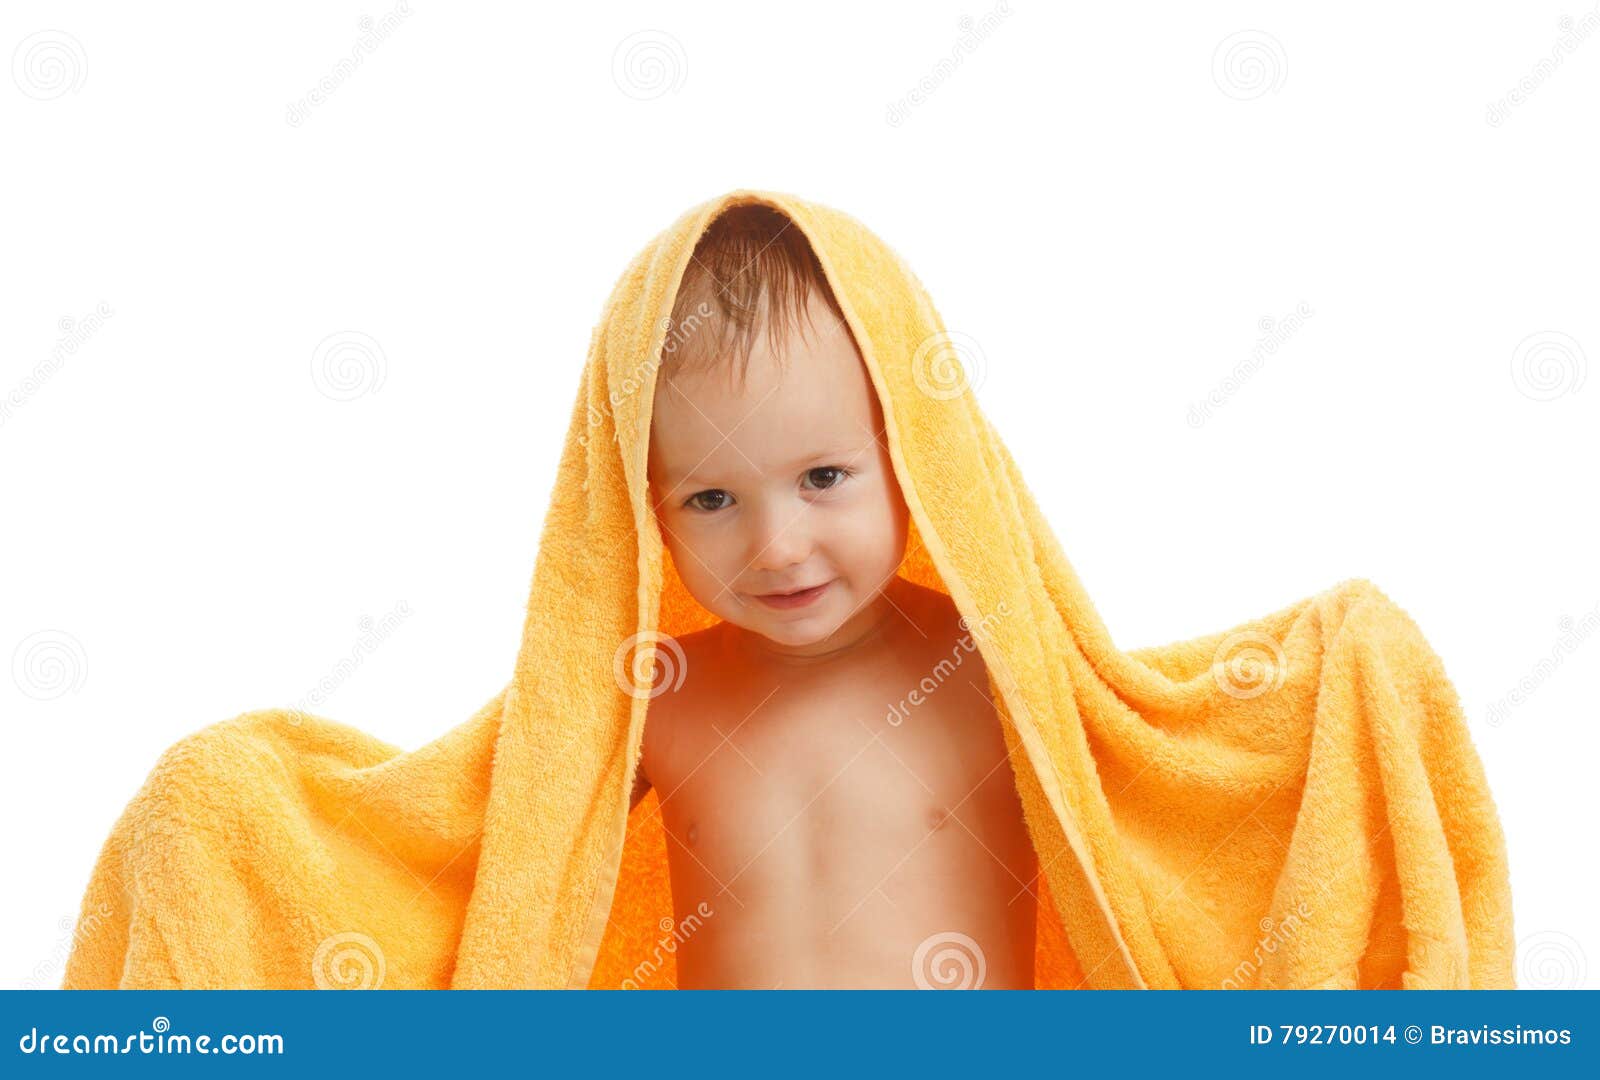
<point>796,634</point>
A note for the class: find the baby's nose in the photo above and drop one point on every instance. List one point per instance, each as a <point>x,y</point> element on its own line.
<point>782,538</point>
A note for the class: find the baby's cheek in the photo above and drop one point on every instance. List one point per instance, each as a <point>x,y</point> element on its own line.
<point>699,568</point>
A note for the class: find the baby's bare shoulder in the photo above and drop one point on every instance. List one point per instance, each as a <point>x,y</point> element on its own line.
<point>689,663</point>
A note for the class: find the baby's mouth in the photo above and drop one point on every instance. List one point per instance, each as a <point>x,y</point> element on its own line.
<point>795,598</point>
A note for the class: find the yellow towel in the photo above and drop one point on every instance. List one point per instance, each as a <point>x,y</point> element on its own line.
<point>1291,802</point>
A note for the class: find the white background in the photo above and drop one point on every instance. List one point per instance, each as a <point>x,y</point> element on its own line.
<point>195,524</point>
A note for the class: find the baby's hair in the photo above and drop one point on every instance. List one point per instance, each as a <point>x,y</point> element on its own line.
<point>752,267</point>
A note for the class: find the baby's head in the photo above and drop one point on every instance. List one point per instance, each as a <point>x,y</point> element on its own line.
<point>769,468</point>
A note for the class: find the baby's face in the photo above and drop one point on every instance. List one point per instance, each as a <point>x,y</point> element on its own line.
<point>781,484</point>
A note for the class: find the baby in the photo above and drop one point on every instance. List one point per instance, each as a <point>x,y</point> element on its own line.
<point>841,842</point>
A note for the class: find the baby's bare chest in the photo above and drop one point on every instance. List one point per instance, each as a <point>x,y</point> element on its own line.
<point>824,776</point>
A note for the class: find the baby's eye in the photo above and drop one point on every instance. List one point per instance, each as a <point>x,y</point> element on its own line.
<point>830,476</point>
<point>713,494</point>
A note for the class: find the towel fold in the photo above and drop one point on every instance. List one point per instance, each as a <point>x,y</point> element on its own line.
<point>1294,801</point>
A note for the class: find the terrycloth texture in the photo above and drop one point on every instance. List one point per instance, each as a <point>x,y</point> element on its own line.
<point>1292,802</point>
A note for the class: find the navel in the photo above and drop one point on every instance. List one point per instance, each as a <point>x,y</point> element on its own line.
<point>937,816</point>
